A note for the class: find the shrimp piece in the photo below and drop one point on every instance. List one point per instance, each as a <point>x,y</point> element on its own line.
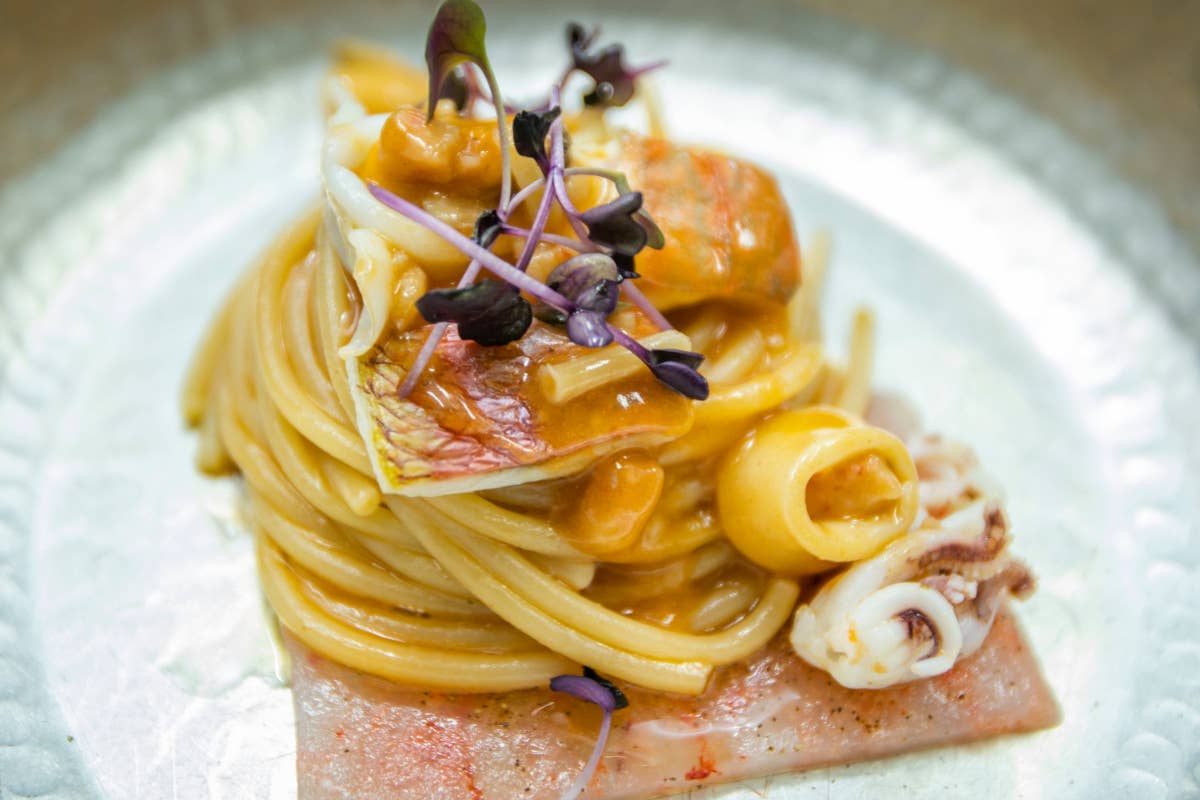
<point>727,227</point>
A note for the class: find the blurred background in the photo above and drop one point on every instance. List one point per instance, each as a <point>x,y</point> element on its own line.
<point>1121,76</point>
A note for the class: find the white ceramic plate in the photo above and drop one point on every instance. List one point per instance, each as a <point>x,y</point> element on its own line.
<point>1028,302</point>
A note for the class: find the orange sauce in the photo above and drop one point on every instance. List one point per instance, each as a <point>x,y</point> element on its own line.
<point>855,488</point>
<point>621,494</point>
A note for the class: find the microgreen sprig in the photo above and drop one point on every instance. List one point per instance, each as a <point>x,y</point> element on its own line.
<point>456,37</point>
<point>601,692</point>
<point>614,79</point>
<point>581,292</point>
<point>676,369</point>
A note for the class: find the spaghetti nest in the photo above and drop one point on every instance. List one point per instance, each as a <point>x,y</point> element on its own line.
<point>653,560</point>
<point>484,591</point>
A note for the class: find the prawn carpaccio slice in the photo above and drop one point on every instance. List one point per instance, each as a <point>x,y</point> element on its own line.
<point>363,738</point>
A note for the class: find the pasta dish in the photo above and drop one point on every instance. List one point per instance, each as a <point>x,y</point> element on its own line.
<point>529,394</point>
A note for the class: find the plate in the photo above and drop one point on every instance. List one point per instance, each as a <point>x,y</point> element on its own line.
<point>1028,302</point>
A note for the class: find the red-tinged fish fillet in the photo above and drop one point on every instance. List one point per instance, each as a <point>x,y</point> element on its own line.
<point>479,418</point>
<point>362,738</point>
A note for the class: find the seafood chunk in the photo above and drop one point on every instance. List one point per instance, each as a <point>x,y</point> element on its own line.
<point>483,420</point>
<point>727,226</point>
<point>929,598</point>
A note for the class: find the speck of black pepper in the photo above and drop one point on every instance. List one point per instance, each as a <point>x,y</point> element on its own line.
<point>70,740</point>
<point>345,749</point>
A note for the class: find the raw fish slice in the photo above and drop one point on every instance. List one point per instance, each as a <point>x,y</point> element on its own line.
<point>362,738</point>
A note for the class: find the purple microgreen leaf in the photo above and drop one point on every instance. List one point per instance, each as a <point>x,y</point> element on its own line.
<point>588,329</point>
<point>665,355</point>
<point>674,368</point>
<point>489,312</point>
<point>487,228</point>
<point>529,135</point>
<point>589,280</point>
<point>682,378</point>
<point>654,236</point>
<point>604,695</point>
<point>677,369</point>
<point>456,37</point>
<point>626,269</point>
<point>613,224</point>
<point>578,37</point>
<point>587,689</point>
<point>615,80</point>
<point>619,698</point>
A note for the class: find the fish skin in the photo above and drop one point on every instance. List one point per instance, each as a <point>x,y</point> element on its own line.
<point>362,738</point>
<point>489,425</point>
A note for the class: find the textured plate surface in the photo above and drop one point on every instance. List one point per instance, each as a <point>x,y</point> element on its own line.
<point>1028,302</point>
